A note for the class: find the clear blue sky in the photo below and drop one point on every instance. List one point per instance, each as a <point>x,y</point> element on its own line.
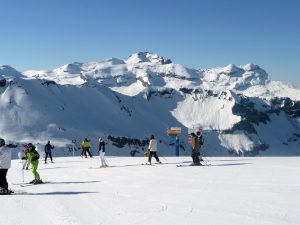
<point>45,34</point>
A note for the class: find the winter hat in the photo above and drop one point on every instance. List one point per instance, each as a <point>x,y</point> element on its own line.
<point>2,142</point>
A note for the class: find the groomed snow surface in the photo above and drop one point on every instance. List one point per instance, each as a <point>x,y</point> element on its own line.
<point>230,191</point>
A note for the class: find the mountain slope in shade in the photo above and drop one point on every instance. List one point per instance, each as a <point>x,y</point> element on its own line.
<point>240,108</point>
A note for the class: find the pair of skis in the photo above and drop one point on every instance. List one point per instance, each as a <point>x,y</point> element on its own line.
<point>16,192</point>
<point>187,165</point>
<point>29,184</point>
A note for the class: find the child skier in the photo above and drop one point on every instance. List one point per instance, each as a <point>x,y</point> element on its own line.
<point>33,157</point>
<point>25,163</point>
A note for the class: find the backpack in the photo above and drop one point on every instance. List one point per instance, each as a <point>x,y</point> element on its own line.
<point>201,140</point>
<point>37,155</point>
<point>48,147</point>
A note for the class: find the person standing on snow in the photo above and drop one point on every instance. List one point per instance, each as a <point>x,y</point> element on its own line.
<point>195,150</point>
<point>152,150</point>
<point>102,153</point>
<point>133,152</point>
<point>86,145</point>
<point>48,148</point>
<point>25,164</point>
<point>201,142</point>
<point>33,157</point>
<point>5,164</point>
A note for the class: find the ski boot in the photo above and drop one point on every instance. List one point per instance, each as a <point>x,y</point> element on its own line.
<point>196,164</point>
<point>5,191</point>
<point>38,181</point>
<point>33,181</point>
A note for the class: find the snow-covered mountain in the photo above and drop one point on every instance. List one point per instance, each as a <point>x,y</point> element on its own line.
<point>241,110</point>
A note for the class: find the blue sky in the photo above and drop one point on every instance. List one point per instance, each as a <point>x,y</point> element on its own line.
<point>45,34</point>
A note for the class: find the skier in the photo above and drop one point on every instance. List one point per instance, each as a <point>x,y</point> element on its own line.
<point>25,164</point>
<point>201,142</point>
<point>48,148</point>
<point>33,157</point>
<point>86,145</point>
<point>133,152</point>
<point>102,153</point>
<point>152,150</point>
<point>195,150</point>
<point>5,163</point>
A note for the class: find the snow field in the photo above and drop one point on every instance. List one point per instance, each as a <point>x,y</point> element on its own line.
<point>230,191</point>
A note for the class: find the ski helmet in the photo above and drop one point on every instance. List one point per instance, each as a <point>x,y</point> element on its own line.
<point>30,145</point>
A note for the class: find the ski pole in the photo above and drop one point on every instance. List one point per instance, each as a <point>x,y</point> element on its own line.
<point>205,160</point>
<point>23,172</point>
<point>162,157</point>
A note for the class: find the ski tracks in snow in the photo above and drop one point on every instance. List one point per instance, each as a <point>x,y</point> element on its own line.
<point>62,215</point>
<point>46,204</point>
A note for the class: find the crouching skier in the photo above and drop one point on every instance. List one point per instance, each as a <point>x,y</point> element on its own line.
<point>5,163</point>
<point>33,157</point>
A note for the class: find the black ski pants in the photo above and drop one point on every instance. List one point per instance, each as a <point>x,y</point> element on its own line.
<point>86,150</point>
<point>3,181</point>
<point>195,157</point>
<point>153,154</point>
<point>50,156</point>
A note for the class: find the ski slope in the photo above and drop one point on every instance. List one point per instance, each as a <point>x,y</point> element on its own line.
<point>244,191</point>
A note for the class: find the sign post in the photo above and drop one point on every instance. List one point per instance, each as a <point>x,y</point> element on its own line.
<point>73,142</point>
<point>175,132</point>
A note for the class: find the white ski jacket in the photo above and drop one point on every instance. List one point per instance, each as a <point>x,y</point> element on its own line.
<point>153,145</point>
<point>5,157</point>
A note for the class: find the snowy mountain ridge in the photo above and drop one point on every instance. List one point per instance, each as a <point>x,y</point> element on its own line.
<point>240,108</point>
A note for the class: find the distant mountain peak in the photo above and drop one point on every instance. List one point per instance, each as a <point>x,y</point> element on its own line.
<point>250,67</point>
<point>142,57</point>
<point>115,61</point>
<point>71,68</point>
<point>231,69</point>
<point>9,71</point>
